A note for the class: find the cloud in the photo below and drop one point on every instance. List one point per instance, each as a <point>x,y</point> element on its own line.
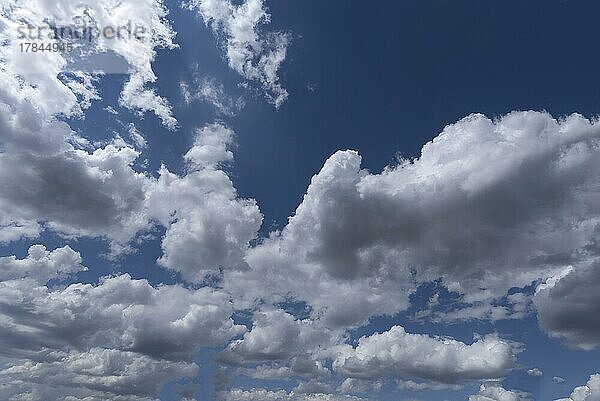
<point>119,337</point>
<point>494,392</point>
<point>254,55</point>
<point>280,346</point>
<point>212,92</point>
<point>54,178</point>
<point>568,306</point>
<point>208,226</point>
<point>589,392</point>
<point>96,374</point>
<point>535,372</point>
<point>41,265</point>
<point>488,206</point>
<point>75,192</point>
<point>396,353</point>
<point>138,54</point>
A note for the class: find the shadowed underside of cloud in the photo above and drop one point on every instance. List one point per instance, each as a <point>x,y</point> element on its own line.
<point>568,306</point>
<point>120,337</point>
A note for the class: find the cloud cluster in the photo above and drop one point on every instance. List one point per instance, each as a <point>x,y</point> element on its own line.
<point>254,55</point>
<point>489,205</point>
<point>138,54</point>
<point>119,337</point>
<point>208,226</point>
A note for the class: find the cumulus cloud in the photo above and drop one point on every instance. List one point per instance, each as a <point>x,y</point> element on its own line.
<point>41,265</point>
<point>97,374</point>
<point>494,392</point>
<point>568,306</point>
<point>588,392</point>
<point>121,336</point>
<point>280,346</point>
<point>138,54</point>
<point>488,206</point>
<point>208,226</point>
<point>396,353</point>
<point>255,55</point>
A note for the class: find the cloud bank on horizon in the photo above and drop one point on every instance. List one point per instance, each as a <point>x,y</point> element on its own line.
<point>503,213</point>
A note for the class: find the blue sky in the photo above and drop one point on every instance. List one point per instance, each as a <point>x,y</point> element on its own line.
<point>444,272</point>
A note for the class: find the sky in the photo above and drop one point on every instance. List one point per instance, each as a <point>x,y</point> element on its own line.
<point>299,201</point>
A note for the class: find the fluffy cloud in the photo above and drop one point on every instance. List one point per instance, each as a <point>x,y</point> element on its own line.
<point>138,54</point>
<point>53,177</point>
<point>121,336</point>
<point>75,192</point>
<point>589,392</point>
<point>568,306</point>
<point>396,353</point>
<point>489,205</point>
<point>208,227</point>
<point>280,346</point>
<point>495,392</point>
<point>252,54</point>
<point>41,265</point>
<point>96,374</point>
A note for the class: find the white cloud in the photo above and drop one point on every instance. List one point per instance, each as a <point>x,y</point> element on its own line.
<point>252,54</point>
<point>589,392</point>
<point>396,353</point>
<point>488,206</point>
<point>208,227</point>
<point>535,372</point>
<point>494,392</point>
<point>41,265</point>
<point>137,53</point>
<point>95,374</point>
<point>119,337</point>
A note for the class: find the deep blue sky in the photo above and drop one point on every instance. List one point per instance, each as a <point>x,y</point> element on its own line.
<point>392,82</point>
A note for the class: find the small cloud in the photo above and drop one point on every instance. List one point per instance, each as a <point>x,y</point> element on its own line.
<point>535,372</point>
<point>558,379</point>
<point>110,110</point>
